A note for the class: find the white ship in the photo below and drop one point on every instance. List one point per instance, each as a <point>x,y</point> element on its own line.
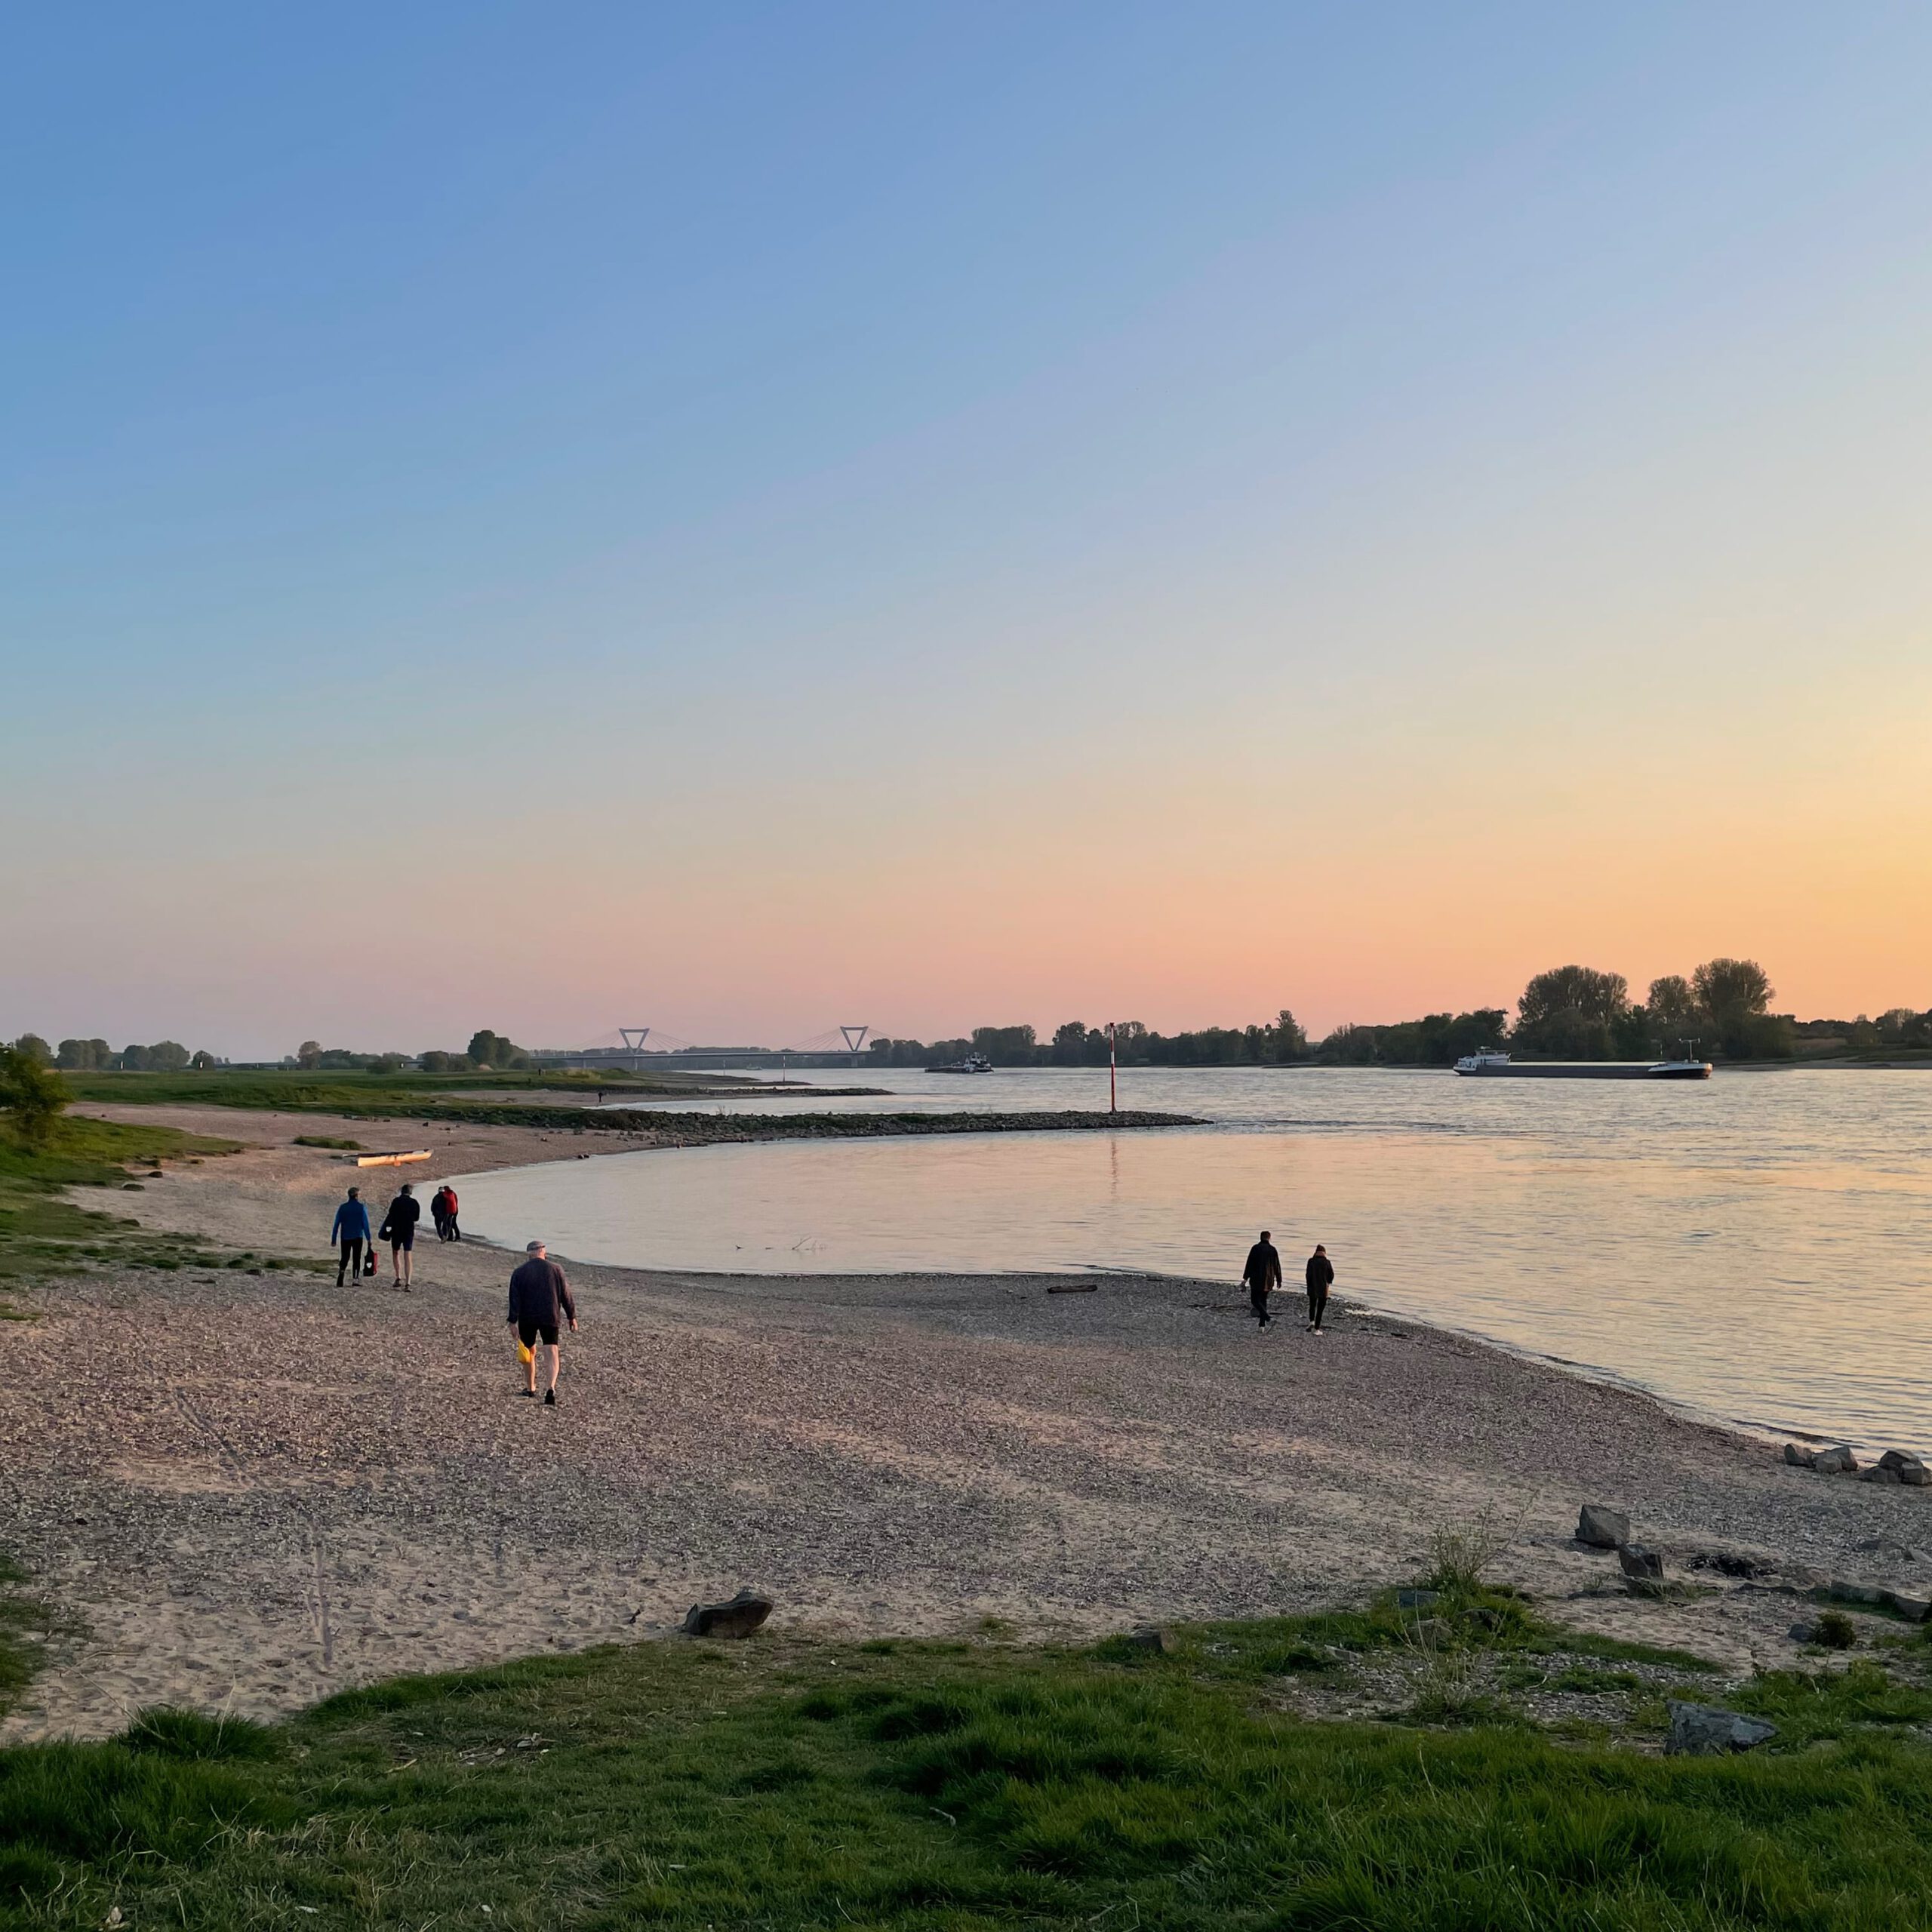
<point>1483,1063</point>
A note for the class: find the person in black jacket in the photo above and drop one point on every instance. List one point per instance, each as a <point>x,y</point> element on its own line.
<point>399,1230</point>
<point>539,1296</point>
<point>1321,1272</point>
<point>1262,1273</point>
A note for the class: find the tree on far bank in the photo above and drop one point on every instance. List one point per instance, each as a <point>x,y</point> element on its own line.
<point>84,1056</point>
<point>1574,1013</point>
<point>1673,1009</point>
<point>309,1054</point>
<point>35,1048</point>
<point>1732,990</point>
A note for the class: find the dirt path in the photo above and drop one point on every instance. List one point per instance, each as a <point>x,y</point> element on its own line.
<point>252,1491</point>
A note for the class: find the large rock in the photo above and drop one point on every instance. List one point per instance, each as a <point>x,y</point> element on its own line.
<point>1837,1462</point>
<point>1798,1456</point>
<point>1913,1609</point>
<point>1644,1564</point>
<point>1151,1637</point>
<point>739,1618</point>
<point>1902,1468</point>
<point>1602,1528</point>
<point>1703,1731</point>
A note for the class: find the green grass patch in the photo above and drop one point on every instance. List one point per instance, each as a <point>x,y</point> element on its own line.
<point>328,1140</point>
<point>922,1787</point>
<point>291,1090</point>
<point>42,1233</point>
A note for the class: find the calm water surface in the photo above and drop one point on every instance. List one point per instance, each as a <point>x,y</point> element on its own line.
<point>1758,1247</point>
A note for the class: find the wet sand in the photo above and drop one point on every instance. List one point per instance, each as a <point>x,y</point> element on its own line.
<point>244,1493</point>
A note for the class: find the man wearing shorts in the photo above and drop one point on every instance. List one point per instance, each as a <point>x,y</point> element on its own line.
<point>399,1230</point>
<point>539,1298</point>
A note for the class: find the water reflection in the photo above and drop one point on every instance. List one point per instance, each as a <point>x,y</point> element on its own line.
<point>1760,1247</point>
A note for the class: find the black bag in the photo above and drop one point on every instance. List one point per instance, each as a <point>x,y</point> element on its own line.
<point>369,1260</point>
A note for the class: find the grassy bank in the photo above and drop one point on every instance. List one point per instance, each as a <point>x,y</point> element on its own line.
<point>291,1090</point>
<point>42,1233</point>
<point>783,1783</point>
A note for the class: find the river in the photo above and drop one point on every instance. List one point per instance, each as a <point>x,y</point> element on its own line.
<point>1757,1247</point>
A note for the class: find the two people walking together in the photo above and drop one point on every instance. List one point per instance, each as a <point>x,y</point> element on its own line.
<point>350,1233</point>
<point>1263,1275</point>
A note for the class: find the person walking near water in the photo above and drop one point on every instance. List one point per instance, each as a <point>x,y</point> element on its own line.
<point>442,1207</point>
<point>399,1230</point>
<point>540,1299</point>
<point>352,1232</point>
<point>1262,1273</point>
<point>1321,1271</point>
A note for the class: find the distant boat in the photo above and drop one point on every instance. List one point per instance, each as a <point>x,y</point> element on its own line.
<point>972,1063</point>
<point>1498,1065</point>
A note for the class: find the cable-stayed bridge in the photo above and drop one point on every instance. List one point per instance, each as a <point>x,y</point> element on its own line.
<point>642,1049</point>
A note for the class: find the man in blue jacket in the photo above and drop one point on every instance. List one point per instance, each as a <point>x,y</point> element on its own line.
<point>352,1230</point>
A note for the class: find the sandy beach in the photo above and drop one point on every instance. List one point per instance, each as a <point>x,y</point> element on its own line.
<point>244,1493</point>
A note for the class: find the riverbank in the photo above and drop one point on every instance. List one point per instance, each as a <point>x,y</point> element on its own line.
<point>245,1493</point>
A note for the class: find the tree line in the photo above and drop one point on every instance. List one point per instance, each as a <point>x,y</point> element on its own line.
<point>1721,1010</point>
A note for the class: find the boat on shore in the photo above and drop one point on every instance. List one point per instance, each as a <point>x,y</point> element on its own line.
<point>972,1063</point>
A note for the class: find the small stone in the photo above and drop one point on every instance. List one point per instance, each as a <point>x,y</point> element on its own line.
<point>1151,1637</point>
<point>1797,1455</point>
<point>738,1618</point>
<point>1602,1528</point>
<point>1803,1633</point>
<point>1916,1475</point>
<point>1880,1475</point>
<point>1639,1562</point>
<point>1703,1731</point>
<point>1417,1599</point>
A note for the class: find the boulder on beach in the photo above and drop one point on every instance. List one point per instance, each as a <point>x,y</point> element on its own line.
<point>1896,1467</point>
<point>1602,1528</point>
<point>1703,1731</point>
<point>738,1617</point>
<point>1837,1462</point>
<point>1644,1564</point>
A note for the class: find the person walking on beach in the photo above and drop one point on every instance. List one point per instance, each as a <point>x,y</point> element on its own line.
<point>399,1230</point>
<point>351,1231</point>
<point>1262,1273</point>
<point>539,1298</point>
<point>1321,1272</point>
<point>442,1207</point>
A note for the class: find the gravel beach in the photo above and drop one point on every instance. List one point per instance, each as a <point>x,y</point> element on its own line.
<point>241,1492</point>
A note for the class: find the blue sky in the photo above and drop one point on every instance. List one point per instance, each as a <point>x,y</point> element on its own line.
<point>746,511</point>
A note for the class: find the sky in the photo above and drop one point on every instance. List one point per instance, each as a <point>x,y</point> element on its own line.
<point>743,519</point>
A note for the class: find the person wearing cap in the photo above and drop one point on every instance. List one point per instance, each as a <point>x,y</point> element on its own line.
<point>351,1231</point>
<point>540,1302</point>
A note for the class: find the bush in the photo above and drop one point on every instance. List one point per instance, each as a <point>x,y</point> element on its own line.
<point>34,1094</point>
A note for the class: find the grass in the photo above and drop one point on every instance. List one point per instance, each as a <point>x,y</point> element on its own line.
<point>328,1140</point>
<point>918,1786</point>
<point>41,1233</point>
<point>291,1090</point>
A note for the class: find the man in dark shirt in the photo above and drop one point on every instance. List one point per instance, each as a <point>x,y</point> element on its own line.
<point>399,1230</point>
<point>1262,1273</point>
<point>539,1296</point>
<point>1321,1272</point>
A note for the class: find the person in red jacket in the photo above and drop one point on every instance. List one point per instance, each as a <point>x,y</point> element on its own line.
<point>442,1206</point>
